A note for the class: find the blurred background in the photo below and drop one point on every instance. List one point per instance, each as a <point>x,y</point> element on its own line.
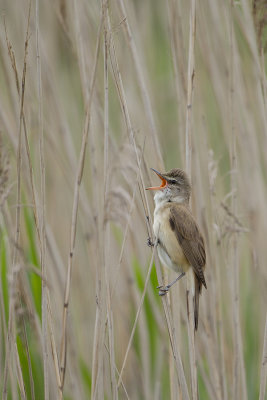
<point>94,94</point>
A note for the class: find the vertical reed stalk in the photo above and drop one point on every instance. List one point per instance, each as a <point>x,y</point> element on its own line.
<point>106,224</point>
<point>190,83</point>
<point>188,156</point>
<point>239,380</point>
<point>11,319</point>
<point>263,377</point>
<point>141,82</point>
<point>42,211</point>
<point>173,340</point>
<point>136,317</point>
<point>79,175</point>
<point>171,329</point>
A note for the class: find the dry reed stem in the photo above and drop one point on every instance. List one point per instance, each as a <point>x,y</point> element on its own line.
<point>178,51</point>
<point>97,390</point>
<point>32,185</point>
<point>80,53</point>
<point>28,359</point>
<point>141,82</point>
<point>190,293</point>
<point>216,355</point>
<point>106,227</point>
<point>102,236</point>
<point>190,86</point>
<point>188,159</point>
<point>263,376</point>
<point>34,194</point>
<point>117,373</point>
<point>137,316</point>
<point>118,81</point>
<point>116,274</point>
<point>42,211</point>
<point>78,180</point>
<point>264,80</point>
<point>143,335</point>
<point>178,57</point>
<point>240,94</point>
<point>131,208</point>
<point>10,333</point>
<point>212,332</point>
<point>19,373</point>
<point>114,388</point>
<point>117,271</point>
<point>54,348</point>
<point>96,355</point>
<point>125,111</point>
<point>208,383</point>
<point>209,332</point>
<point>95,352</point>
<point>208,342</point>
<point>235,287</point>
<point>239,371</point>
<point>173,340</point>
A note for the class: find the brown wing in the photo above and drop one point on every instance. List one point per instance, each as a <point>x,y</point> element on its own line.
<point>192,244</point>
<point>189,238</point>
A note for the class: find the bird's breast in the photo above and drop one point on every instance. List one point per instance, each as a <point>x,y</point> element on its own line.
<point>169,249</point>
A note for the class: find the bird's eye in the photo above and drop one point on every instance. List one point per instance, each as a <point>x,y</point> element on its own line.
<point>172,181</point>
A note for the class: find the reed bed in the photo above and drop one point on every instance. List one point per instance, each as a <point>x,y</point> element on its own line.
<point>93,94</point>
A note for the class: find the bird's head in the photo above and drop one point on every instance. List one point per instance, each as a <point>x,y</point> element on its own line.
<point>175,186</point>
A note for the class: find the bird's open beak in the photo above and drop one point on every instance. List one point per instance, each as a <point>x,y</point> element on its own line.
<point>163,183</point>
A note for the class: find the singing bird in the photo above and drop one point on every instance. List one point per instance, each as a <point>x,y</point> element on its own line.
<point>180,244</point>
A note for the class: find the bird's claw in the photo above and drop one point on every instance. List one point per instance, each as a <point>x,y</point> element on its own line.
<point>163,290</point>
<point>149,242</point>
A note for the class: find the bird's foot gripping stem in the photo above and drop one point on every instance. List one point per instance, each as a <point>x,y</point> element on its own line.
<point>164,289</point>
<point>150,242</point>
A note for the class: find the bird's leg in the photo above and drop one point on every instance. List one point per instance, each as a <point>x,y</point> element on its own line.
<point>150,243</point>
<point>164,289</point>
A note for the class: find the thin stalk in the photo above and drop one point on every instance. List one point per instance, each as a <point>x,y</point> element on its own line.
<point>10,338</point>
<point>28,359</point>
<point>190,293</point>
<point>188,158</point>
<point>117,373</point>
<point>54,348</point>
<point>141,82</point>
<point>79,175</point>
<point>239,376</point>
<point>264,365</point>
<point>42,211</point>
<point>122,97</point>
<point>173,340</point>
<point>126,114</point>
<point>106,225</point>
<point>190,82</point>
<point>34,194</point>
<point>19,374</point>
<point>136,317</point>
<point>179,66</point>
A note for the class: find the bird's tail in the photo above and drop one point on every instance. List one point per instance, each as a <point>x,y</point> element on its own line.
<point>198,287</point>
